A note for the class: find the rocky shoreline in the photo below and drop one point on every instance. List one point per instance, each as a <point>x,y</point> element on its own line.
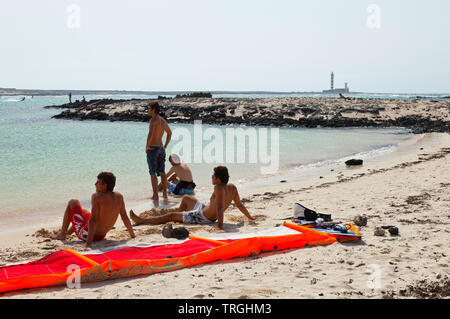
<point>419,115</point>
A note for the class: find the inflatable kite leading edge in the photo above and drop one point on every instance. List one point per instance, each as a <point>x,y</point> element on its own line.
<point>56,268</point>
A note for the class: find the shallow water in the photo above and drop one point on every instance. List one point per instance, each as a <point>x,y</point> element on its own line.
<point>44,162</point>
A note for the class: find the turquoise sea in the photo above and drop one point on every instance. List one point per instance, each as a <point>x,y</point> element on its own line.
<point>44,162</point>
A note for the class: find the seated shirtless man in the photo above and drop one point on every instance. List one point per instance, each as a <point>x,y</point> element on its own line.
<point>180,174</point>
<point>192,211</point>
<point>106,207</point>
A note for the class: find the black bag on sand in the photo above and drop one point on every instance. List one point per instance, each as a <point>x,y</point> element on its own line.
<point>178,233</point>
<point>326,217</point>
<point>302,212</point>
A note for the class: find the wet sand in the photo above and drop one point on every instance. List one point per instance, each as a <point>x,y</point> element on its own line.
<point>408,191</point>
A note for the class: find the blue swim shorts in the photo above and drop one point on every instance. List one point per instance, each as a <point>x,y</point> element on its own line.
<point>156,158</point>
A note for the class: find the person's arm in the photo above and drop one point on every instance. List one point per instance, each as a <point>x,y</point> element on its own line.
<point>169,134</point>
<point>92,227</point>
<point>240,206</point>
<point>170,172</point>
<point>126,220</point>
<point>220,195</point>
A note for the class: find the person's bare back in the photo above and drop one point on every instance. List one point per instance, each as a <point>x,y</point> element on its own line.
<point>229,194</point>
<point>106,207</point>
<point>157,127</point>
<point>109,206</point>
<point>182,171</point>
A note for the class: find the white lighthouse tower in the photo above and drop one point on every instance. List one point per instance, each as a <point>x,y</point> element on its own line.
<point>332,90</point>
<point>332,81</point>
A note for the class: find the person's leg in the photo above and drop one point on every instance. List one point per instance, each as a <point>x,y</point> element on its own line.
<point>164,185</point>
<point>170,217</point>
<point>187,203</point>
<point>66,220</point>
<point>154,180</point>
<point>152,168</point>
<point>161,159</point>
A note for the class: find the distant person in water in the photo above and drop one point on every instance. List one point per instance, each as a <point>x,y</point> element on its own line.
<point>192,211</point>
<point>156,152</point>
<point>180,177</point>
<point>107,205</point>
<point>83,100</point>
<point>70,97</point>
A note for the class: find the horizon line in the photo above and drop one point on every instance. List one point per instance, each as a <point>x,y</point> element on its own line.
<point>5,91</point>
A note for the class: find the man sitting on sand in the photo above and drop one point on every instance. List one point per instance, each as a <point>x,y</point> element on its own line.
<point>192,211</point>
<point>180,175</point>
<point>106,207</point>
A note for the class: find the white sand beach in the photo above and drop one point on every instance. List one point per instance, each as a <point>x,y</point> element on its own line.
<point>408,190</point>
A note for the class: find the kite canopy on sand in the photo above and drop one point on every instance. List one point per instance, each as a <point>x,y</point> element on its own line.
<point>57,268</point>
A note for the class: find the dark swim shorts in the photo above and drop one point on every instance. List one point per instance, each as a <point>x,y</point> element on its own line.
<point>156,158</point>
<point>182,186</point>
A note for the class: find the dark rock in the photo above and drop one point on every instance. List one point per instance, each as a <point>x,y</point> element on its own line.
<point>393,231</point>
<point>354,162</point>
<point>307,110</point>
<point>301,115</point>
<point>379,231</point>
<point>195,94</point>
<point>360,220</point>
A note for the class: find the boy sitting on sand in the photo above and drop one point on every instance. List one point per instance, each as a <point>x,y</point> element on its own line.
<point>106,207</point>
<point>192,211</point>
<point>180,176</point>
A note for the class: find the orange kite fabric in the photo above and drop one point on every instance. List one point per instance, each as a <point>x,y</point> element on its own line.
<point>57,269</point>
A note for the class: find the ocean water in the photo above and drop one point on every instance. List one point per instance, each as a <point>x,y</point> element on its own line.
<point>44,162</point>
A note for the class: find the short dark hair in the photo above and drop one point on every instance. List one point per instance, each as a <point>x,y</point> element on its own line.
<point>221,172</point>
<point>155,106</point>
<point>109,179</point>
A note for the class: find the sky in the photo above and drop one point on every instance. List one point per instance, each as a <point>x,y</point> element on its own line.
<point>384,46</point>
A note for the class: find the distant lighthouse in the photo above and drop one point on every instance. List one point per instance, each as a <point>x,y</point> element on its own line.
<point>332,90</point>
<point>332,81</point>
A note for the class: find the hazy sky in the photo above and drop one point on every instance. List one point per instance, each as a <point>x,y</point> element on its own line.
<point>284,45</point>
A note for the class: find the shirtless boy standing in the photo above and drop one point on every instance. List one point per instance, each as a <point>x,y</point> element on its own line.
<point>107,205</point>
<point>156,153</point>
<point>192,211</point>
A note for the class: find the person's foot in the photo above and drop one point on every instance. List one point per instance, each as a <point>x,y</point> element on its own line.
<point>155,197</point>
<point>58,236</point>
<point>136,219</point>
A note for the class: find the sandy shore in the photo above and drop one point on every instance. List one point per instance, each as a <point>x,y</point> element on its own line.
<point>409,191</point>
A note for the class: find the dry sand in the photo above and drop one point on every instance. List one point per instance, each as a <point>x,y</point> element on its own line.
<point>409,191</point>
